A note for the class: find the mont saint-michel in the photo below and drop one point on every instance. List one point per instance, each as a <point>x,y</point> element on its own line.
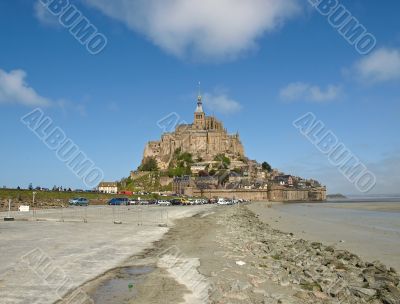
<point>203,159</point>
<point>204,139</point>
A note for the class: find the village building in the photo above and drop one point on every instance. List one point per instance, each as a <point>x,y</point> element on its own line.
<point>108,187</point>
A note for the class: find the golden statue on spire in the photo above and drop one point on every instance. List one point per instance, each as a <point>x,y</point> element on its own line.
<point>199,97</point>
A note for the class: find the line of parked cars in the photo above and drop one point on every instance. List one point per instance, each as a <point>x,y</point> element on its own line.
<point>175,202</point>
<point>224,201</point>
<point>163,202</point>
<point>124,201</point>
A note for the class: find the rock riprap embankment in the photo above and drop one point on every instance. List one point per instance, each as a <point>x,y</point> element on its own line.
<point>314,272</point>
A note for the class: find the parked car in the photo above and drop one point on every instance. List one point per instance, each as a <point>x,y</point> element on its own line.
<point>185,202</point>
<point>164,203</point>
<point>79,201</point>
<point>133,202</point>
<point>222,201</point>
<point>144,203</point>
<point>117,201</point>
<point>176,202</point>
<point>212,201</point>
<point>125,192</point>
<point>199,202</point>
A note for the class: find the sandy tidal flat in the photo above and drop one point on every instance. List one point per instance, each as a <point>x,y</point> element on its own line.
<point>43,260</point>
<point>370,229</point>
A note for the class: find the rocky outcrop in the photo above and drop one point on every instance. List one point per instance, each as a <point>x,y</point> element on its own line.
<point>316,273</point>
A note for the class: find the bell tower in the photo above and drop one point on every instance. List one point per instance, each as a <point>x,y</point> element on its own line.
<point>199,115</point>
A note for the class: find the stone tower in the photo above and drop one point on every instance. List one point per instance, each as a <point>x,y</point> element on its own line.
<point>199,121</point>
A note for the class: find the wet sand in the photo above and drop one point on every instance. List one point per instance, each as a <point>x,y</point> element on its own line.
<point>42,260</point>
<point>369,229</point>
<point>368,206</point>
<point>230,255</point>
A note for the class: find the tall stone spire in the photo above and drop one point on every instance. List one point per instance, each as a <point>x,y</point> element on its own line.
<point>199,108</point>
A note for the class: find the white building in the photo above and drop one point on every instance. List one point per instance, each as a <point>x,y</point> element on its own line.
<point>108,187</point>
<point>196,168</point>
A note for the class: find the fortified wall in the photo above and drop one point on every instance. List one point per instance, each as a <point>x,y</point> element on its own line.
<point>283,194</point>
<point>253,195</point>
<point>274,194</point>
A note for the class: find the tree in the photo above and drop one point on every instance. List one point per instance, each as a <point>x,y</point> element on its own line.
<point>238,171</point>
<point>180,164</point>
<point>223,176</point>
<point>180,170</point>
<point>30,187</point>
<point>149,164</point>
<point>224,161</point>
<point>186,157</point>
<point>266,167</point>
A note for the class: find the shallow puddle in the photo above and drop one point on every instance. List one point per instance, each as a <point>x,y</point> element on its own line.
<point>121,288</point>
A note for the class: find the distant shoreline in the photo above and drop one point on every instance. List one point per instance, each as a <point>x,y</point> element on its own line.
<point>336,196</point>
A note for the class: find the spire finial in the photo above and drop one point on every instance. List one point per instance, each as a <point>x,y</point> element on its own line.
<point>199,108</point>
<point>199,97</point>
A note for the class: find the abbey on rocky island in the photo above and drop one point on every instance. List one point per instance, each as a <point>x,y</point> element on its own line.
<point>205,138</point>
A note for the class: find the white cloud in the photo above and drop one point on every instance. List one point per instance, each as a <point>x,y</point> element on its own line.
<point>14,89</point>
<point>299,91</point>
<point>221,103</point>
<point>43,15</point>
<point>380,66</point>
<point>67,106</point>
<point>206,29</point>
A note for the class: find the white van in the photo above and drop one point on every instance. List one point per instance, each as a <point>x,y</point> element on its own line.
<point>222,201</point>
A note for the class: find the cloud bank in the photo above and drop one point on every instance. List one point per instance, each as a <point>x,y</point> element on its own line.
<point>380,66</point>
<point>205,29</point>
<point>44,16</point>
<point>221,103</point>
<point>300,91</point>
<point>14,89</point>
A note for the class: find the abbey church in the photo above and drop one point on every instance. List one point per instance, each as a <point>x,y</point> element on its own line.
<point>205,138</point>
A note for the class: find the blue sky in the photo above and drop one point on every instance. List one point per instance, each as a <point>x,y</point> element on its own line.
<point>262,64</point>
